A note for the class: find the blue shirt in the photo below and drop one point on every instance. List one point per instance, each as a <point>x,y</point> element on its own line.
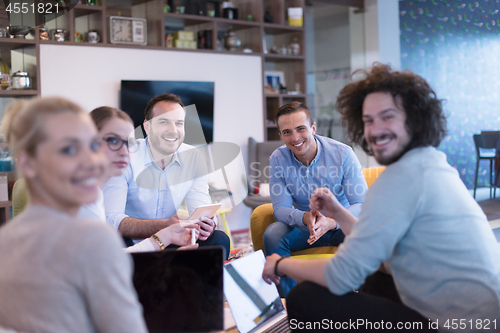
<point>145,191</point>
<point>291,183</point>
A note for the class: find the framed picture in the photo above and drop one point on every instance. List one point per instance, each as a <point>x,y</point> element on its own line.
<point>274,79</point>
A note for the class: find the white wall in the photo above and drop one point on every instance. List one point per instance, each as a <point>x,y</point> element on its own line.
<point>91,77</point>
<point>388,27</point>
<point>381,32</point>
<point>374,37</point>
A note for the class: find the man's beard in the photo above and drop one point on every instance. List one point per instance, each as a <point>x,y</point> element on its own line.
<point>386,160</point>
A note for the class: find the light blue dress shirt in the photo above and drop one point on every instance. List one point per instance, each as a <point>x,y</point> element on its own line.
<point>145,191</point>
<point>291,183</point>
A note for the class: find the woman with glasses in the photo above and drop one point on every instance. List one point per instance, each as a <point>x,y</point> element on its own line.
<point>116,131</point>
<point>60,273</point>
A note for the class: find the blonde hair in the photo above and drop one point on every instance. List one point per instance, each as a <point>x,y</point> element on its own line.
<point>25,129</point>
<point>11,109</point>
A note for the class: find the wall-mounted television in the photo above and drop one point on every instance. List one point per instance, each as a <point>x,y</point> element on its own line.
<point>135,95</point>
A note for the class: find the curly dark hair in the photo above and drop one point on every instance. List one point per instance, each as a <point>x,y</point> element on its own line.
<point>163,97</point>
<point>425,119</point>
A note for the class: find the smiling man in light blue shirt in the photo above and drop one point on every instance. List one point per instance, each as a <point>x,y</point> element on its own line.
<point>306,162</point>
<point>162,173</point>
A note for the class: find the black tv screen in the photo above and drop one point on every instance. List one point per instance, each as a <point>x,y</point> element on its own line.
<point>135,95</point>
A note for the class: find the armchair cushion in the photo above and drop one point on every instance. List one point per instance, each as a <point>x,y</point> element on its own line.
<point>261,218</point>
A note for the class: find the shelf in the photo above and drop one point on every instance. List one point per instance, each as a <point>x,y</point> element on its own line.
<point>148,47</point>
<point>237,24</point>
<point>72,43</point>
<point>58,43</point>
<point>187,19</point>
<point>276,29</point>
<point>25,53</point>
<point>81,10</point>
<point>285,96</point>
<point>18,93</point>
<point>281,57</point>
<point>132,2</point>
<point>126,46</point>
<point>190,50</point>
<point>136,2</point>
<point>239,53</point>
<point>15,43</point>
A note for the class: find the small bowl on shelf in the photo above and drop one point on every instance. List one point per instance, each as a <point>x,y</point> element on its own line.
<point>19,31</point>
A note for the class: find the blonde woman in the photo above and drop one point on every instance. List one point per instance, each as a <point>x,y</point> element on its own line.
<point>61,273</point>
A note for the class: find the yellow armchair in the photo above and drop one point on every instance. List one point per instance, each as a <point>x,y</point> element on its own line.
<point>263,216</point>
<point>20,197</point>
<point>371,174</point>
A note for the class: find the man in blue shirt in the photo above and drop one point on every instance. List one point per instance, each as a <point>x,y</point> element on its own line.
<point>146,197</point>
<point>306,162</point>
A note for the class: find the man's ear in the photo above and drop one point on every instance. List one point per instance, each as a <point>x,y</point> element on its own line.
<point>147,125</point>
<point>313,128</point>
<point>26,164</point>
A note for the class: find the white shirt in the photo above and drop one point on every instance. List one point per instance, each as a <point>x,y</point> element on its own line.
<point>94,211</point>
<point>145,191</point>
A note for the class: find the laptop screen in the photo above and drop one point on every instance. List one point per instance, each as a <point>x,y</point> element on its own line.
<point>180,290</point>
<point>251,299</point>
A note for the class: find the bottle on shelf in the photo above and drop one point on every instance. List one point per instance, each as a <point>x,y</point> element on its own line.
<point>295,47</point>
<point>231,41</point>
<point>4,75</point>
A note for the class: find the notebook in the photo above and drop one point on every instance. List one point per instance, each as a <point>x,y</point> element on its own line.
<point>256,306</point>
<point>181,291</point>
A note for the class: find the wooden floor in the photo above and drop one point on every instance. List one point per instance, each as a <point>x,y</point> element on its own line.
<point>491,208</point>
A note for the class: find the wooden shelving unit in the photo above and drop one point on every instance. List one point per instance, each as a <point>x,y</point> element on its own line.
<point>24,54</point>
<point>19,93</point>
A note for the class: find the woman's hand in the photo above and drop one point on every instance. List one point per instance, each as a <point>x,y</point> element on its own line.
<point>182,217</point>
<point>178,235</point>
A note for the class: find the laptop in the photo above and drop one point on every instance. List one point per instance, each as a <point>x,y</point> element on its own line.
<point>256,306</point>
<point>181,291</point>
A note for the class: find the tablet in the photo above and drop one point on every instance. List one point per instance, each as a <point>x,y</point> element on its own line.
<point>204,211</point>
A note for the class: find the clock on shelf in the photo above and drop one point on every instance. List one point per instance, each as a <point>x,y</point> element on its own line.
<point>127,30</point>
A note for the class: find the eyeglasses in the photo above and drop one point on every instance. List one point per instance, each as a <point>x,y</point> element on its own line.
<point>115,143</point>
